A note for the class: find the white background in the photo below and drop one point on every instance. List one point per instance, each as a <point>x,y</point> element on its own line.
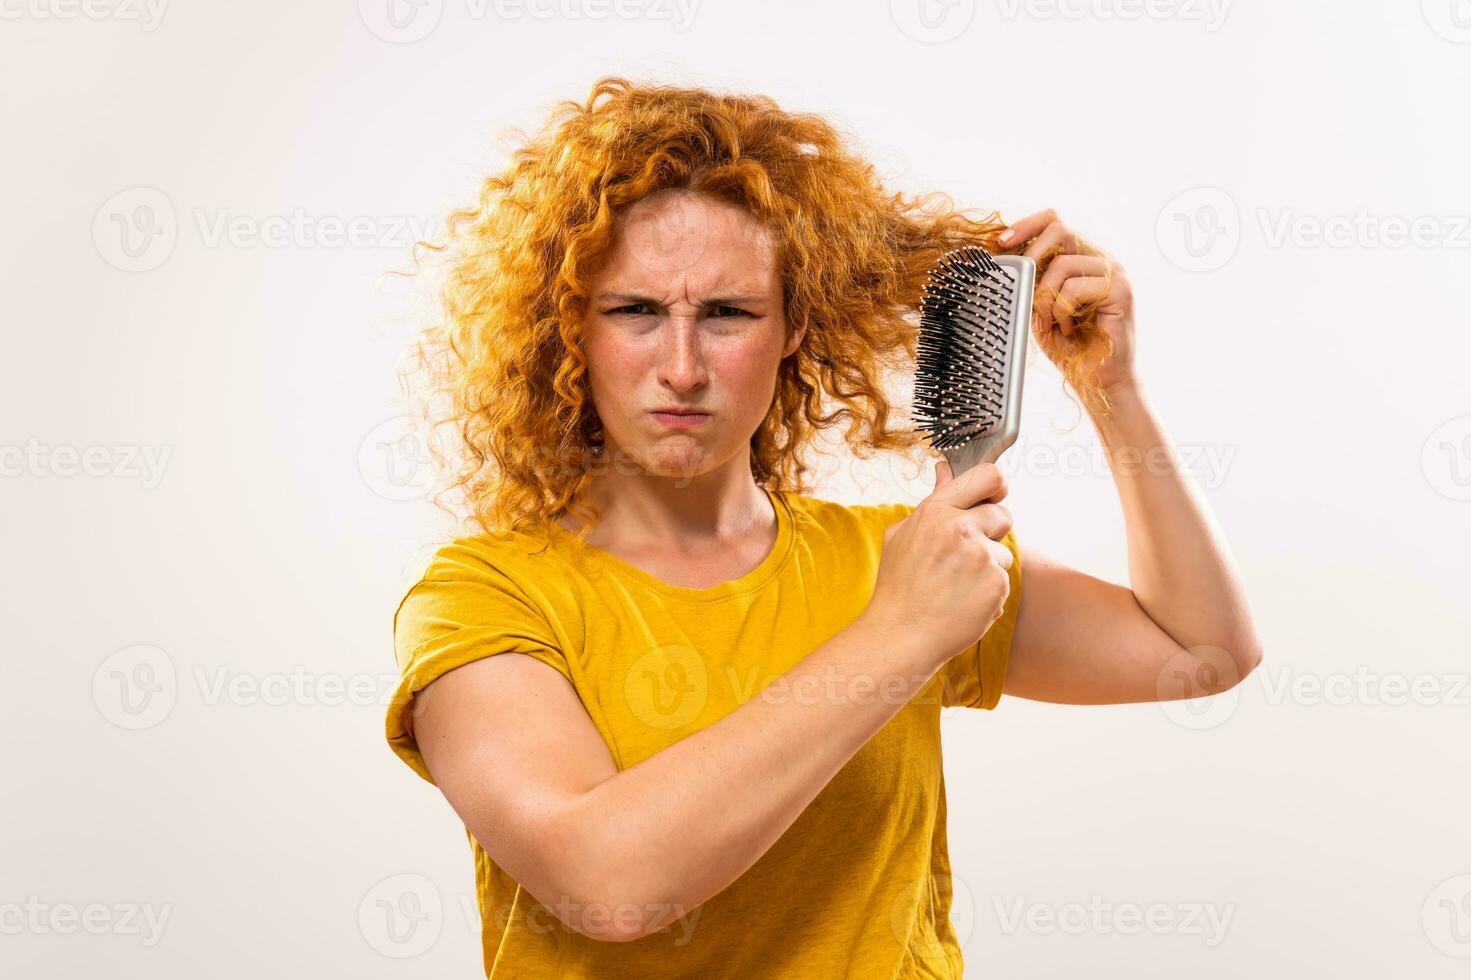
<point>1319,810</point>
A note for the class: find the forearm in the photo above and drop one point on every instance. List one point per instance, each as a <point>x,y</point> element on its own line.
<point>680,826</point>
<point>1180,566</point>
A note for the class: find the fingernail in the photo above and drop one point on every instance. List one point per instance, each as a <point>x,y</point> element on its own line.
<point>1006,235</point>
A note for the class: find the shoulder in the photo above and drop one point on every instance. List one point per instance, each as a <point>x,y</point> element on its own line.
<point>844,522</point>
<point>472,580</point>
<point>505,552</point>
<point>500,559</point>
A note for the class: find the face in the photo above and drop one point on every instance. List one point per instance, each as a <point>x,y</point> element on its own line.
<point>685,314</point>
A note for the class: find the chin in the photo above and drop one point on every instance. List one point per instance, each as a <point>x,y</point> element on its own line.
<point>679,462</point>
<point>677,458</point>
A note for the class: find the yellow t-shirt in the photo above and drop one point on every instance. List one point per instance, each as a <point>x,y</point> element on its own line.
<point>859,884</point>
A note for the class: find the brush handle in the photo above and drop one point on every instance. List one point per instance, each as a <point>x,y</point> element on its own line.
<point>987,449</point>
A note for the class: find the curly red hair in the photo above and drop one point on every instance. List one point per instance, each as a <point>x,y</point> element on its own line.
<point>504,367</point>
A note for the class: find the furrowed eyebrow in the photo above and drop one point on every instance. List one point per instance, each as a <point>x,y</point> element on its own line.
<point>712,301</point>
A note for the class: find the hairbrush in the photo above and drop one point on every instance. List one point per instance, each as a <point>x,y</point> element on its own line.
<point>975,316</point>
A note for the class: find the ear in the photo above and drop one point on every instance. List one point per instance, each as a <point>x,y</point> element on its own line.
<point>795,341</point>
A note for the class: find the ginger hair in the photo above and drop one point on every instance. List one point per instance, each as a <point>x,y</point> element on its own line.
<point>502,366</point>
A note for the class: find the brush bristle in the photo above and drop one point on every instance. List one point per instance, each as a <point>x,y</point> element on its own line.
<point>966,317</point>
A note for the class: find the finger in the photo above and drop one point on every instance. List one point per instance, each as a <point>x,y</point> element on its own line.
<point>1064,267</point>
<point>978,484</point>
<point>1026,229</point>
<point>1077,294</point>
<point>1000,552</point>
<point>1049,286</point>
<point>943,475</point>
<point>989,520</point>
<point>1056,239</point>
<point>1001,489</point>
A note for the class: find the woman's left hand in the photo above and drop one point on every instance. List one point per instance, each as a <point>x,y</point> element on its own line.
<point>1073,276</point>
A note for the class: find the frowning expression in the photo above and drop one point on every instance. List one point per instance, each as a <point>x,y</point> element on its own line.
<point>684,333</point>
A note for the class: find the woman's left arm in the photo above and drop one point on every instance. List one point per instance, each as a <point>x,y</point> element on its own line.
<point>1183,629</point>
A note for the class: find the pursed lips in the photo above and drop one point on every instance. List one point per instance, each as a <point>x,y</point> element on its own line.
<point>682,419</point>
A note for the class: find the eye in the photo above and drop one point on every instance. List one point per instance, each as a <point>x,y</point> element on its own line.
<point>736,310</point>
<point>629,310</point>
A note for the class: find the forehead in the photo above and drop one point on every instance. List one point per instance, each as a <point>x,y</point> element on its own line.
<point>679,239</point>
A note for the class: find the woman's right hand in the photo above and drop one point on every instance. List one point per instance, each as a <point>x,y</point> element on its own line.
<point>943,572</point>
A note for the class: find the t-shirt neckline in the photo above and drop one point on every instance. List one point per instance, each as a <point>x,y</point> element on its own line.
<point>749,582</point>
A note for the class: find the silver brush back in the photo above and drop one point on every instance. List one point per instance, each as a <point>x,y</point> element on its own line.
<point>975,317</point>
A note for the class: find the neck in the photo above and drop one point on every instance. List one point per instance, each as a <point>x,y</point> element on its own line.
<point>679,511</point>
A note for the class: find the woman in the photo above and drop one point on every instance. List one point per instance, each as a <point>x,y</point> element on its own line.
<point>688,714</point>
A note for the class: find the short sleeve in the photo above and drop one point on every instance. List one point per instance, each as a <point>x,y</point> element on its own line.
<point>973,678</point>
<point>464,607</point>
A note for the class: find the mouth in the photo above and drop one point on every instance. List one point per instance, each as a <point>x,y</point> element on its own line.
<point>680,418</point>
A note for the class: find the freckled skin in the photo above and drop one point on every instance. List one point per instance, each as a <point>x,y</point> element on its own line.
<point>681,250</point>
<point>687,311</point>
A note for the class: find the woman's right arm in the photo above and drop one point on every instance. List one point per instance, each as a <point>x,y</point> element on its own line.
<point>617,855</point>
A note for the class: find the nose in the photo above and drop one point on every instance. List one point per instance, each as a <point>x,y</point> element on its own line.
<point>681,363</point>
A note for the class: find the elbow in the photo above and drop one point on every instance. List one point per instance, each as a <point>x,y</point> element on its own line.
<point>1210,669</point>
<point>617,906</point>
<point>1246,654</point>
<point>1243,656</point>
<point>611,913</point>
<point>1251,661</point>
<point>601,889</point>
